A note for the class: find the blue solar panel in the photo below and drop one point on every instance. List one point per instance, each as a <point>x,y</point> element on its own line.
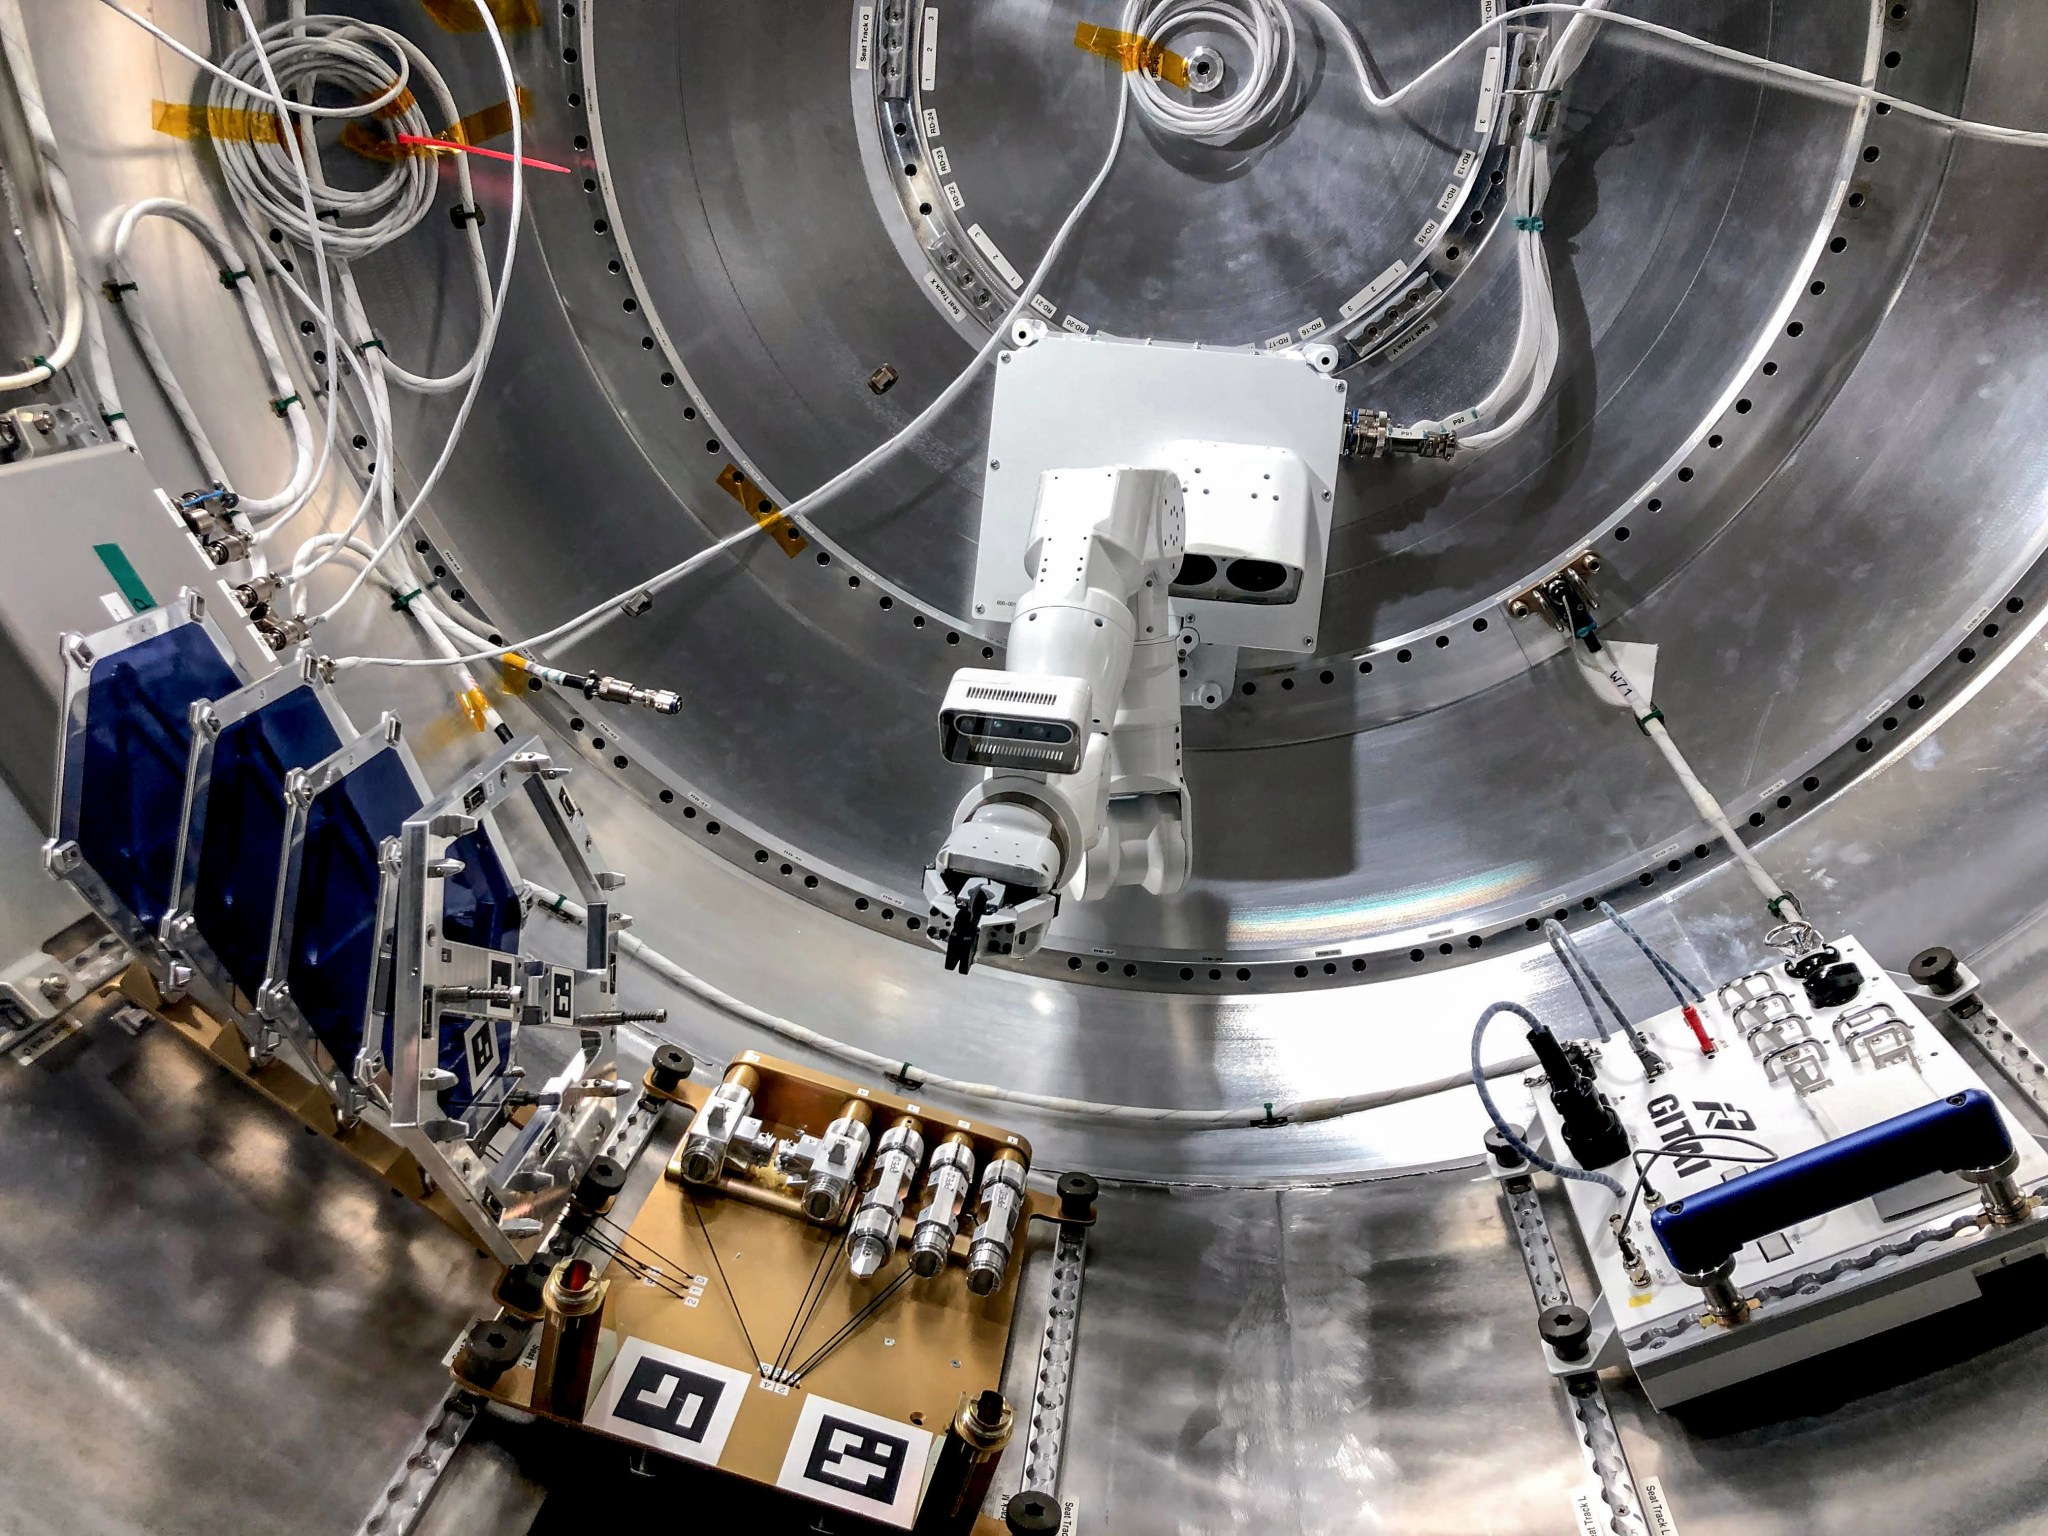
<point>138,735</point>
<point>244,827</point>
<point>334,938</point>
<point>480,906</point>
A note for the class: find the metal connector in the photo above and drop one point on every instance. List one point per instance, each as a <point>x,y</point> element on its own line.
<point>1370,434</point>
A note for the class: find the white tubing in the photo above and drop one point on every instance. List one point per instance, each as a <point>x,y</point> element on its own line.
<point>221,251</point>
<point>1775,896</point>
<point>71,325</point>
<point>1290,1112</point>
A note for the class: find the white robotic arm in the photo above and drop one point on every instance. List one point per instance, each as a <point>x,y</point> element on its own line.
<point>1081,735</point>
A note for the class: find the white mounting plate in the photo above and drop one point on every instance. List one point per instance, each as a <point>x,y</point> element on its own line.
<point>1731,1091</point>
<point>1079,401</point>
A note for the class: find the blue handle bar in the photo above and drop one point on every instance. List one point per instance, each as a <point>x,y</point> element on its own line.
<point>1963,1131</point>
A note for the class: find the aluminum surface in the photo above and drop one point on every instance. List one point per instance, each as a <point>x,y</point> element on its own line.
<point>1820,526</point>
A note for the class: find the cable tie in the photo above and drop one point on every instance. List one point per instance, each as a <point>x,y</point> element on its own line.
<point>1531,222</point>
<point>114,290</point>
<point>42,362</point>
<point>460,216</point>
<point>560,897</point>
<point>231,276</point>
<point>1643,721</point>
<point>374,341</point>
<point>281,406</point>
<point>404,604</point>
<point>110,417</point>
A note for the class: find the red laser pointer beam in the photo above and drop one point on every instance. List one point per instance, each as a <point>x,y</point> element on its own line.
<point>478,149</point>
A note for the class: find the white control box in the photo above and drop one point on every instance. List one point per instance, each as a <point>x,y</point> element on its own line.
<point>1255,438</point>
<point>1788,1076</point>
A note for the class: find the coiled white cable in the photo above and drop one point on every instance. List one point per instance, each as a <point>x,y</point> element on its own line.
<point>1264,84</point>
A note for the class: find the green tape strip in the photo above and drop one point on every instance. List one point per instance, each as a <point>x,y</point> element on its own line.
<point>123,572</point>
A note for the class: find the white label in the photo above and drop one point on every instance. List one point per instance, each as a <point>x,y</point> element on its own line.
<point>945,296</point>
<point>1394,351</point>
<point>931,122</point>
<point>1657,1509</point>
<point>1373,290</point>
<point>864,39</point>
<point>929,50</point>
<point>1427,233</point>
<point>530,1356</point>
<point>1001,262</point>
<point>1449,200</point>
<point>669,1401</point>
<point>1489,90</point>
<point>856,1460</point>
<point>955,196</point>
<point>117,606</point>
<point>1275,343</point>
<point>1587,1509</point>
<point>1464,166</point>
<point>1078,327</point>
<point>1488,10</point>
<point>1044,306</point>
<point>1315,327</point>
<point>1070,1517</point>
<point>941,161</point>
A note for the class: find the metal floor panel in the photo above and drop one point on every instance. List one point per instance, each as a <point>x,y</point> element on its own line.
<point>210,1321</point>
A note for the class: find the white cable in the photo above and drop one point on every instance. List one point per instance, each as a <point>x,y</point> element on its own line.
<point>221,251</point>
<point>852,474</point>
<point>1291,1112</point>
<point>1776,898</point>
<point>27,88</point>
<point>1264,85</point>
<point>271,98</point>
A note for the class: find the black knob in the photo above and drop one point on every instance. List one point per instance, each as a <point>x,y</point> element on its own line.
<point>1567,1330</point>
<point>1807,964</point>
<point>1502,1150</point>
<point>1937,969</point>
<point>601,1183</point>
<point>1833,987</point>
<point>1077,1192</point>
<point>1032,1514</point>
<point>672,1064</point>
<point>520,1290</point>
<point>488,1351</point>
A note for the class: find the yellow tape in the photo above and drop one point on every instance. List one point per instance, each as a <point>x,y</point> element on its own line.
<point>461,15</point>
<point>180,121</point>
<point>1133,52</point>
<point>475,707</point>
<point>762,511</point>
<point>492,122</point>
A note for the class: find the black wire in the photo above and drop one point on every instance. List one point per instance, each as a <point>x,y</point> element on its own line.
<point>807,1306</point>
<point>719,1265</point>
<point>670,1284</point>
<point>851,1326</point>
<point>1645,1157</point>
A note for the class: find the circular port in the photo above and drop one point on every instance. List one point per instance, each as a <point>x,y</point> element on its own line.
<point>1257,575</point>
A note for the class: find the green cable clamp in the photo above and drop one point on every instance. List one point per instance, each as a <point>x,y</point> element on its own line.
<point>1643,721</point>
<point>114,290</point>
<point>229,276</point>
<point>404,604</point>
<point>281,406</point>
<point>1533,223</point>
<point>364,346</point>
